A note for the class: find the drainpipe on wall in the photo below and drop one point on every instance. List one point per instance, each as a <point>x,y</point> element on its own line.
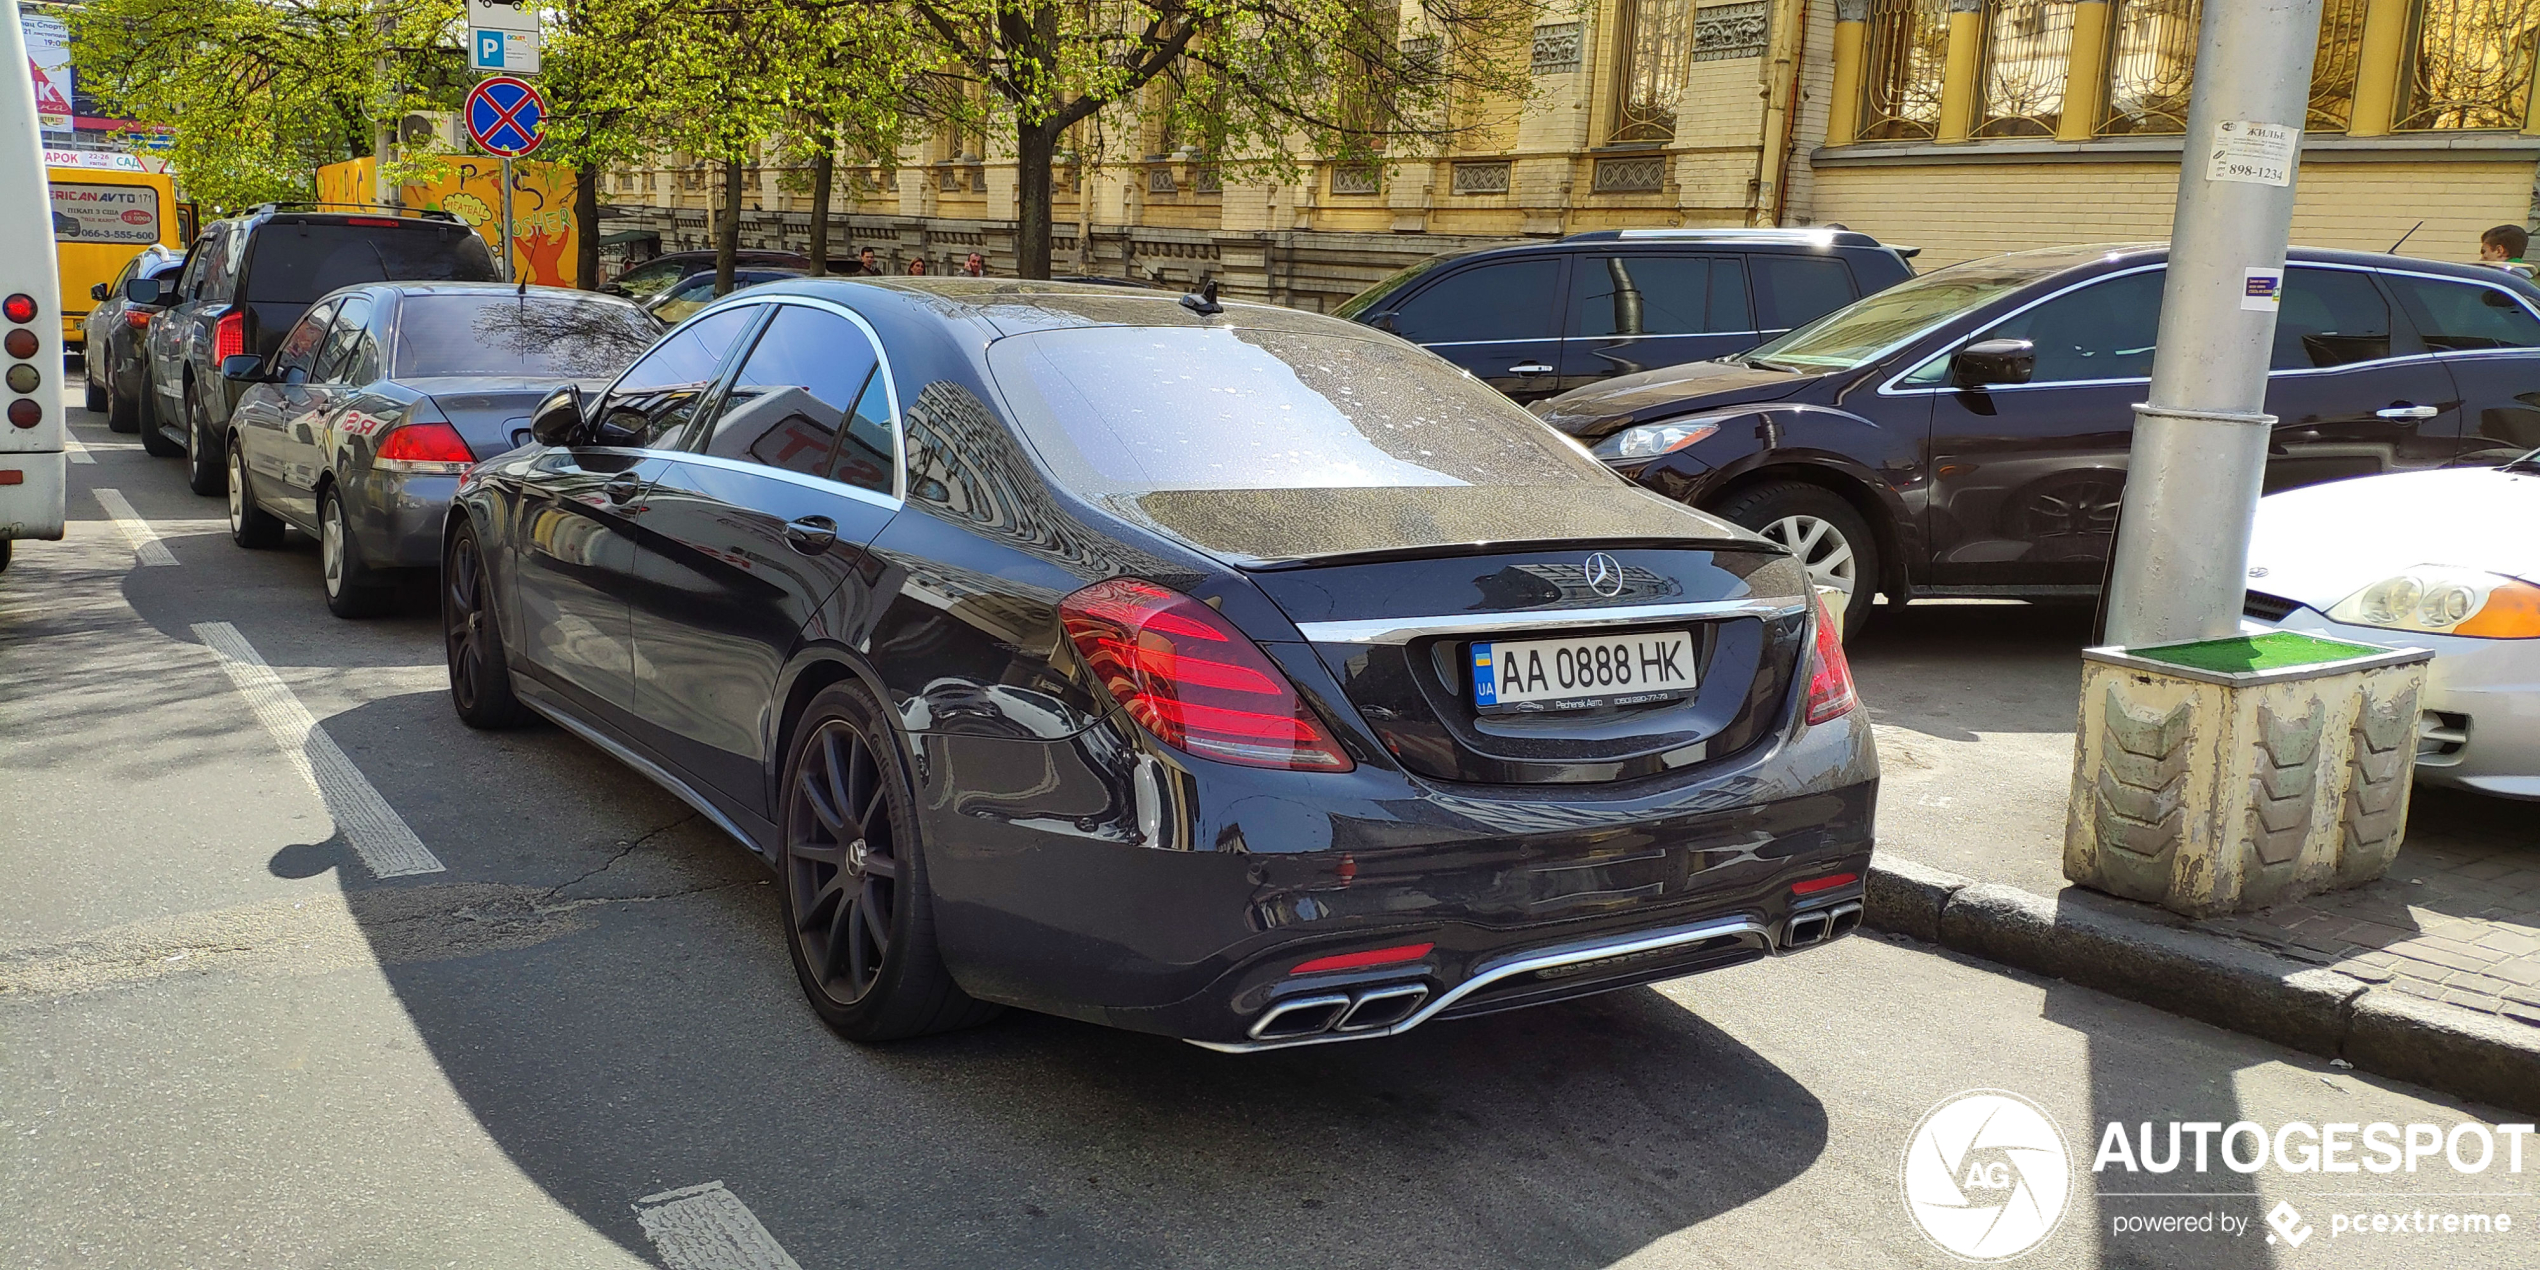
<point>1781,109</point>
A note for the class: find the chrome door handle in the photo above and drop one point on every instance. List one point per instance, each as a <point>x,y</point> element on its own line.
<point>811,535</point>
<point>623,489</point>
<point>1530,368</point>
<point>2407,412</point>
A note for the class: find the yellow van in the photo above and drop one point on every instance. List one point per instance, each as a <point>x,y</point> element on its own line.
<point>106,208</point>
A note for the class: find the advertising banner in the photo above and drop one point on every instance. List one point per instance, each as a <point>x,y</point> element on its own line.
<point>48,57</point>
<point>105,213</point>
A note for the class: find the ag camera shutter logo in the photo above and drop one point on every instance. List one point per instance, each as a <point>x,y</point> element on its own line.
<point>1987,1175</point>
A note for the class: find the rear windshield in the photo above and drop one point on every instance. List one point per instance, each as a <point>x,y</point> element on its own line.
<point>544,333</point>
<point>1137,409</point>
<point>295,264</point>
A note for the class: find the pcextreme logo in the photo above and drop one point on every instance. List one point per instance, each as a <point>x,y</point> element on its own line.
<point>1987,1175</point>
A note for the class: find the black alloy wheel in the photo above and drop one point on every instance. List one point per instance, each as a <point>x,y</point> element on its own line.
<point>123,414</point>
<point>480,672</point>
<point>206,472</point>
<point>857,914</point>
<point>250,526</point>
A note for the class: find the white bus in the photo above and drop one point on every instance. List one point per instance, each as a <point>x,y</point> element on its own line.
<point>32,475</point>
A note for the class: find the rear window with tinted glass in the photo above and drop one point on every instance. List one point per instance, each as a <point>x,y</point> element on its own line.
<point>1131,410</point>
<point>295,264</point>
<point>544,333</point>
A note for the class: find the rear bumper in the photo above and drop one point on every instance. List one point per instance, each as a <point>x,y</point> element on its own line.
<point>398,517</point>
<point>33,507</point>
<point>1523,894</point>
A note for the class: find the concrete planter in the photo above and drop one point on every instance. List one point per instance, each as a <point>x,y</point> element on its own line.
<point>2235,774</point>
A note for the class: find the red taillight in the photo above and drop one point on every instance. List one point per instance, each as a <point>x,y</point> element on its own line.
<point>375,222</point>
<point>426,443</point>
<point>1830,693</point>
<point>1826,883</point>
<point>25,413</point>
<point>19,307</point>
<point>138,319</point>
<point>229,337</point>
<point>1360,960</point>
<point>1194,681</point>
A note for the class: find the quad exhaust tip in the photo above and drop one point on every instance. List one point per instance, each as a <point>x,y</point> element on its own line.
<point>1818,926</point>
<point>1366,1010</point>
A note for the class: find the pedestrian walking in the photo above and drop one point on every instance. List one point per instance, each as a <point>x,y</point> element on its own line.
<point>2504,246</point>
<point>976,266</point>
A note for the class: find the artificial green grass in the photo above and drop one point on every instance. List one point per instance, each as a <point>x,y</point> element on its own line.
<point>2246,654</point>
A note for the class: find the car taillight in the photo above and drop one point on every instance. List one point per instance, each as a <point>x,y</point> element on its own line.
<point>425,443</point>
<point>373,222</point>
<point>138,319</point>
<point>1830,693</point>
<point>1193,680</point>
<point>229,337</point>
<point>19,308</point>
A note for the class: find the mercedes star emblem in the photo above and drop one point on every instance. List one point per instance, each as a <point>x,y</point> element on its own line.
<point>1604,574</point>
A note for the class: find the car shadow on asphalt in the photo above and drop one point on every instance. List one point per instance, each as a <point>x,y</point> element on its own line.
<point>617,1010</point>
<point>2019,664</point>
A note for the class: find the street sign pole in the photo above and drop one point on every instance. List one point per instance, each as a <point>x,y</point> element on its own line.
<point>2200,443</point>
<point>508,267</point>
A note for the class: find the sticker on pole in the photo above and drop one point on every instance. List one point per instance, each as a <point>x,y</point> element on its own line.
<point>506,117</point>
<point>2262,290</point>
<point>2253,153</point>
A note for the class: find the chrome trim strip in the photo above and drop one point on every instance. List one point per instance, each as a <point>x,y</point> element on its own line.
<point>1400,630</point>
<point>555,714</point>
<point>787,475</point>
<point>1524,963</point>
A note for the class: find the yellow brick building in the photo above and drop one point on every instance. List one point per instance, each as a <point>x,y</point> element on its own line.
<point>1964,127</point>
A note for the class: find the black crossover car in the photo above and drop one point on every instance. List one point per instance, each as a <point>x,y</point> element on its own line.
<point>246,283</point>
<point>1234,674</point>
<point>1966,433</point>
<point>1534,319</point>
<point>113,333</point>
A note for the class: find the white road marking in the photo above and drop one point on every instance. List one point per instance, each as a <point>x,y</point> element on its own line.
<point>71,446</point>
<point>709,1228</point>
<point>146,546</point>
<point>379,835</point>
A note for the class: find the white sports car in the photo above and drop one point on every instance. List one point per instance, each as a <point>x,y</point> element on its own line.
<point>2447,560</point>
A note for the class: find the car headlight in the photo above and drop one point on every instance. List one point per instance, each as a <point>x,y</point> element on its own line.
<point>2446,600</point>
<point>1649,440</point>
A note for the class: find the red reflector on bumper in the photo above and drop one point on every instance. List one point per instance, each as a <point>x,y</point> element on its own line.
<point>1826,883</point>
<point>12,476</point>
<point>1357,960</point>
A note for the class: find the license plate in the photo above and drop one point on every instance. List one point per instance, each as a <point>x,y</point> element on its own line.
<point>1582,671</point>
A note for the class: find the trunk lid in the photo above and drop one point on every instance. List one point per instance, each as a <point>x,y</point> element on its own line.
<point>1400,634</point>
<point>492,412</point>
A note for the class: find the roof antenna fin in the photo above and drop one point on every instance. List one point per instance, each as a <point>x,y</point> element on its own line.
<point>1204,303</point>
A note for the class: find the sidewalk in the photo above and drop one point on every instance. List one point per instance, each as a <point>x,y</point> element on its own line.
<point>1974,704</point>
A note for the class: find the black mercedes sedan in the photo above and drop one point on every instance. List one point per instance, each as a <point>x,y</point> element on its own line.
<point>1224,672</point>
<point>1966,432</point>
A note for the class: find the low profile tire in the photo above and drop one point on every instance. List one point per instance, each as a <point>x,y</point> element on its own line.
<point>859,919</point>
<point>250,526</point>
<point>351,590</point>
<point>95,402</point>
<point>1824,531</point>
<point>206,472</point>
<point>123,414</point>
<point>480,670</point>
<point>155,441</point>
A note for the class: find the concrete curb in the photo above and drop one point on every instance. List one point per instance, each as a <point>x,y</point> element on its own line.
<point>2379,1030</point>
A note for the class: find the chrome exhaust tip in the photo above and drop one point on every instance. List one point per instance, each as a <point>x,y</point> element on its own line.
<point>1807,929</point>
<point>1383,1007</point>
<point>1847,918</point>
<point>1299,1016</point>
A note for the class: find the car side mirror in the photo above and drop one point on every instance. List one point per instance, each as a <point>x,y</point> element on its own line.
<point>558,419</point>
<point>245,368</point>
<point>141,290</point>
<point>1382,321</point>
<point>97,291</point>
<point>1988,362</point>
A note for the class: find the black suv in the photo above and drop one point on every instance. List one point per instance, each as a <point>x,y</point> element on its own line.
<point>1536,319</point>
<point>248,279</point>
<point>1966,433</point>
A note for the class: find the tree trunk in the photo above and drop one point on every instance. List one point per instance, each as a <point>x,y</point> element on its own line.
<point>586,227</point>
<point>824,168</point>
<point>727,232</point>
<point>1033,144</point>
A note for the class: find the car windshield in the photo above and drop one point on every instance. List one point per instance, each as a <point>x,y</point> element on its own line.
<point>1357,304</point>
<point>2527,463</point>
<point>295,263</point>
<point>1867,327</point>
<point>647,280</point>
<point>1142,409</point>
<point>542,334</point>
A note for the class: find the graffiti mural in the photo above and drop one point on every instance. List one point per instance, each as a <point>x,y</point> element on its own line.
<point>470,188</point>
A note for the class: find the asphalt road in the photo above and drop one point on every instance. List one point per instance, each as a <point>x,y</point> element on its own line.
<point>225,1042</point>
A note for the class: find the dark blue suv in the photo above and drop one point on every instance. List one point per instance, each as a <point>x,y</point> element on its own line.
<point>1535,319</point>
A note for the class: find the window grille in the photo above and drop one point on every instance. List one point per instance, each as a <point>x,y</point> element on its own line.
<point>1639,174</point>
<point>2341,54</point>
<point>1481,178</point>
<point>1357,178</point>
<point>1556,48</point>
<point>1905,55</point>
<point>2469,64</point>
<point>2151,65</point>
<point>2028,49</point>
<point>1650,45</point>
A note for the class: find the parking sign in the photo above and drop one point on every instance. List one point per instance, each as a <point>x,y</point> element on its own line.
<point>508,52</point>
